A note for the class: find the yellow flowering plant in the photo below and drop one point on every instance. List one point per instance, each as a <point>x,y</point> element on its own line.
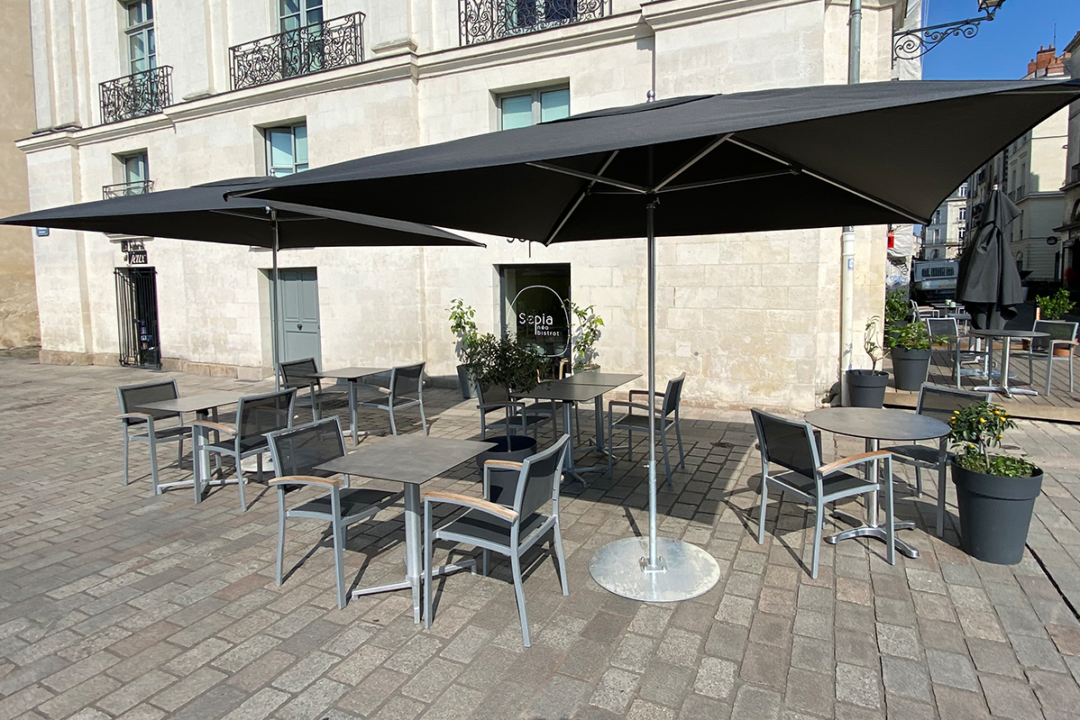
<point>974,430</point>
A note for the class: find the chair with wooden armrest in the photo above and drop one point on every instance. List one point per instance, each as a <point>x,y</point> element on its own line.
<point>296,453</point>
<point>508,526</point>
<point>791,445</point>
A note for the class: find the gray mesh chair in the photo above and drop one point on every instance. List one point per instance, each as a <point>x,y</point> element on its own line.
<point>665,417</point>
<point>938,402</point>
<point>950,327</point>
<point>303,374</point>
<point>500,413</point>
<point>508,526</point>
<point>791,445</point>
<point>296,453</point>
<point>150,426</point>
<point>1062,335</point>
<point>256,415</point>
<point>406,391</point>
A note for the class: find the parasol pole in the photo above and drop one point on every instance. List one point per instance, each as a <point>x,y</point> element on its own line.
<point>650,211</point>
<point>274,302</point>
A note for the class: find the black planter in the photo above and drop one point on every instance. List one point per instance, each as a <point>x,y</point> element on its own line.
<point>466,383</point>
<point>866,388</point>
<point>995,513</point>
<point>910,368</point>
<point>513,448</point>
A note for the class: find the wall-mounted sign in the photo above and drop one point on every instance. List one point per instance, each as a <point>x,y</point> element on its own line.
<point>542,319</point>
<point>41,231</point>
<point>135,251</point>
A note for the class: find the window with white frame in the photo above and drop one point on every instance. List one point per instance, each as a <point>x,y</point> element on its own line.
<point>136,168</point>
<point>522,109</point>
<point>962,215</point>
<point>295,14</point>
<point>964,190</point>
<point>139,31</point>
<point>286,150</point>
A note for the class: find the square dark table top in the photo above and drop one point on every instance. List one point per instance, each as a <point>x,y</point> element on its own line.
<point>351,373</point>
<point>194,403</point>
<point>411,459</point>
<point>600,378</point>
<point>565,392</point>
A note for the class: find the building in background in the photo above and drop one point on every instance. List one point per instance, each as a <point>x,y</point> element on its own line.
<point>150,96</point>
<point>944,236</point>
<point>18,297</point>
<point>1068,232</point>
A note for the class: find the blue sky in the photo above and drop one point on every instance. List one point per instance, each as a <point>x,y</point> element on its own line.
<point>1003,47</point>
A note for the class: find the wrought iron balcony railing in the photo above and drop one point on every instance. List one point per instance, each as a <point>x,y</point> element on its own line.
<point>481,21</point>
<point>140,187</point>
<point>136,95</point>
<point>331,44</point>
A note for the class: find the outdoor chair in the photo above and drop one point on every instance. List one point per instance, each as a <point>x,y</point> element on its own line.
<point>665,417</point>
<point>406,391</point>
<point>151,426</point>
<point>791,445</point>
<point>296,453</point>
<point>498,412</point>
<point>950,328</point>
<point>256,415</point>
<point>509,527</point>
<point>1062,335</point>
<point>301,374</point>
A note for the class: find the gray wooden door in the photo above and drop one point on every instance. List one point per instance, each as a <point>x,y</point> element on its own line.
<point>300,315</point>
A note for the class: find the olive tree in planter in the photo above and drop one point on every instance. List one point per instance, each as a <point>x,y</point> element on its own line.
<point>584,337</point>
<point>1055,307</point>
<point>995,494</point>
<point>464,327</point>
<point>866,388</point>
<point>910,349</point>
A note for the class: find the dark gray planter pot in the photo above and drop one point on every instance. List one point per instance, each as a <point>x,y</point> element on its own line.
<point>512,448</point>
<point>995,513</point>
<point>866,388</point>
<point>466,383</point>
<point>910,368</point>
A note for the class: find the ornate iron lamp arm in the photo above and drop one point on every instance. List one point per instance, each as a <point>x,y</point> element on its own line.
<point>911,44</point>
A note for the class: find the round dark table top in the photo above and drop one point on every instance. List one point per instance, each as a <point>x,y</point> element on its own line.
<point>877,423</point>
<point>1009,333</point>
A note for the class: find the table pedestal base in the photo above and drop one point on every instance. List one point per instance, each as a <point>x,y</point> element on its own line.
<point>686,571</point>
<point>415,584</point>
<point>878,533</point>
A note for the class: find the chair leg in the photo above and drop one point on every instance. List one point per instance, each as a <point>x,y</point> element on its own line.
<point>315,414</point>
<point>486,560</point>
<point>339,562</point>
<point>280,532</point>
<point>761,515</point>
<point>153,464</point>
<point>678,437</point>
<point>393,425</point>
<point>561,557</point>
<point>258,468</point>
<point>240,483</point>
<point>515,564</point>
<point>127,442</point>
<point>918,481</point>
<point>890,527</point>
<point>1049,368</point>
<point>819,520</point>
<point>1070,370</point>
<point>180,452</point>
<point>423,418</point>
<point>610,447</point>
<point>427,565</point>
<point>667,462</point>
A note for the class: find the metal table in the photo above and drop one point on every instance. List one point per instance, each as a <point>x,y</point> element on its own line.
<point>567,391</point>
<point>1007,336</point>
<point>353,375</point>
<point>411,460</point>
<point>875,425</point>
<point>205,406</point>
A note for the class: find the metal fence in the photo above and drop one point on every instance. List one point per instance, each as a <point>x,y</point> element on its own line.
<point>140,187</point>
<point>334,43</point>
<point>137,316</point>
<point>136,95</point>
<point>481,21</point>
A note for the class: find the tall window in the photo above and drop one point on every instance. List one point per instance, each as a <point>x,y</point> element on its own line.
<point>286,150</point>
<point>296,14</point>
<point>142,52</point>
<point>136,169</point>
<point>524,109</point>
<point>962,216</point>
<point>964,190</point>
<point>301,51</point>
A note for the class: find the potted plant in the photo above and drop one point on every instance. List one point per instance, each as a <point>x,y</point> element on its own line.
<point>995,494</point>
<point>866,388</point>
<point>1055,307</point>
<point>584,337</point>
<point>464,328</point>
<point>897,307</point>
<point>909,346</point>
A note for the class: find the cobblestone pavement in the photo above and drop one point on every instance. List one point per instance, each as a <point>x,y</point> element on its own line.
<point>114,603</point>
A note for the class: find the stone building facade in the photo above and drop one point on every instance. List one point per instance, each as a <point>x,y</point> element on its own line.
<point>213,94</point>
<point>18,299</point>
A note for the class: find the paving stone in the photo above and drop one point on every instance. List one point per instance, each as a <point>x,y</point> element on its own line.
<point>807,691</point>
<point>906,678</point>
<point>857,685</point>
<point>314,701</point>
<point>1038,653</point>
<point>899,641</point>
<point>615,690</point>
<point>754,703</point>
<point>960,704</point>
<point>715,678</point>
<point>1009,698</point>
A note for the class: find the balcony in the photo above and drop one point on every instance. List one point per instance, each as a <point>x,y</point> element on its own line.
<point>481,21</point>
<point>140,187</point>
<point>136,95</point>
<point>327,45</point>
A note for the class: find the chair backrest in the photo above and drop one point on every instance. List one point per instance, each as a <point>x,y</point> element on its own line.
<point>298,373</point>
<point>405,381</point>
<point>1057,329</point>
<point>787,443</point>
<point>260,414</point>
<point>491,395</point>
<point>939,402</point>
<point>132,397</point>
<point>539,480</point>
<point>942,326</point>
<point>916,316</point>
<point>299,450</point>
<point>672,395</point>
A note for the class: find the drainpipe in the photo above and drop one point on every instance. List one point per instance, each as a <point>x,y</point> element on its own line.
<point>847,270</point>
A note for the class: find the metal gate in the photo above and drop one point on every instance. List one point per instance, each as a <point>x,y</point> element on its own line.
<point>137,317</point>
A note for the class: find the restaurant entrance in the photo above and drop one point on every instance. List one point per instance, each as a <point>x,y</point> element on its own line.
<point>534,308</point>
